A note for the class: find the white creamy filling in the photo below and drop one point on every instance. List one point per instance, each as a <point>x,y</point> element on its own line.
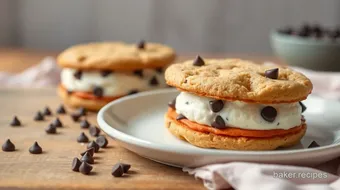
<point>238,114</point>
<point>114,84</point>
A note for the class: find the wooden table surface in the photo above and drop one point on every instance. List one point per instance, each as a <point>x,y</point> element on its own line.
<point>52,169</point>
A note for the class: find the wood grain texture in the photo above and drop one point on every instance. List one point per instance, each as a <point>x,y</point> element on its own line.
<point>52,169</point>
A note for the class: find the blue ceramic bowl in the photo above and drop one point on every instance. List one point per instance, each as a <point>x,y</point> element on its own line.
<point>317,54</point>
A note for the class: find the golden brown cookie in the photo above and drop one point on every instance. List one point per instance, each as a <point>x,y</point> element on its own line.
<point>235,79</point>
<point>75,101</point>
<point>210,140</point>
<point>116,56</point>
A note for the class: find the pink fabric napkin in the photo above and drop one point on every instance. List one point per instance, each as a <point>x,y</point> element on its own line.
<point>44,74</point>
<point>250,176</point>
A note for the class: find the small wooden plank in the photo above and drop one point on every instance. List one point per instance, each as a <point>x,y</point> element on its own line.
<point>52,169</point>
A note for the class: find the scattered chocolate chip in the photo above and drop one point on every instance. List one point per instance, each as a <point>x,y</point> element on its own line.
<point>126,167</point>
<point>159,70</point>
<point>57,123</point>
<point>8,146</point>
<point>76,164</point>
<point>39,116</point>
<point>138,73</point>
<point>105,73</point>
<point>87,158</point>
<point>94,131</point>
<point>198,61</point>
<point>47,111</point>
<point>85,168</point>
<point>219,123</point>
<point>82,58</point>
<point>172,104</point>
<point>102,141</point>
<point>132,92</point>
<point>187,103</point>
<point>51,129</point>
<point>141,44</point>
<point>98,91</point>
<point>35,148</point>
<point>84,124</point>
<point>90,151</point>
<point>82,111</point>
<point>278,124</point>
<point>153,81</point>
<point>180,116</point>
<point>313,145</point>
<point>303,107</point>
<point>82,138</point>
<point>272,73</point>
<point>269,113</point>
<point>216,105</point>
<point>15,122</point>
<point>77,75</point>
<point>69,92</point>
<point>61,109</point>
<point>94,145</point>
<point>75,117</point>
<point>117,170</point>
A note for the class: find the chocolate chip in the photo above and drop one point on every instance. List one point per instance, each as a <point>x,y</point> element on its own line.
<point>35,148</point>
<point>313,145</point>
<point>138,73</point>
<point>77,75</point>
<point>90,151</point>
<point>76,164</point>
<point>8,146</point>
<point>105,73</point>
<point>75,117</point>
<point>94,131</point>
<point>153,81</point>
<point>303,107</point>
<point>159,70</point>
<point>82,111</point>
<point>61,109</point>
<point>82,138</point>
<point>126,167</point>
<point>69,92</point>
<point>141,44</point>
<point>47,111</point>
<point>198,61</point>
<point>269,113</point>
<point>85,168</point>
<point>172,104</point>
<point>39,116</point>
<point>218,123</point>
<point>15,122</point>
<point>87,158</point>
<point>84,124</point>
<point>93,145</point>
<point>216,105</point>
<point>272,73</point>
<point>180,116</point>
<point>98,91</point>
<point>57,123</point>
<point>132,92</point>
<point>82,58</point>
<point>117,170</point>
<point>102,141</point>
<point>51,129</point>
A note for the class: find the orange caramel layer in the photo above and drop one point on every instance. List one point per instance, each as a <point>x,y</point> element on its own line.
<point>232,131</point>
<point>91,96</point>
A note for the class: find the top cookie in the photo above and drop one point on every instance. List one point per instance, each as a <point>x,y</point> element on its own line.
<point>116,56</point>
<point>235,79</point>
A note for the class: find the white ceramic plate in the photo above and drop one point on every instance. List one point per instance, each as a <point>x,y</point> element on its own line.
<point>137,123</point>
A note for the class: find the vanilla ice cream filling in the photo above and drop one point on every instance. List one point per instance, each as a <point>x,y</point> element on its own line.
<point>113,84</point>
<point>238,114</point>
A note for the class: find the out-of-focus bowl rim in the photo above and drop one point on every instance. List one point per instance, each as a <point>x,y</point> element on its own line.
<point>275,35</point>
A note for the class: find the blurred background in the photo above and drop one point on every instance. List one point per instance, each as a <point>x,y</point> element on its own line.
<point>188,26</point>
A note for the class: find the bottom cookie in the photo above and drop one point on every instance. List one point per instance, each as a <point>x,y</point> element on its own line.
<point>210,140</point>
<point>75,101</point>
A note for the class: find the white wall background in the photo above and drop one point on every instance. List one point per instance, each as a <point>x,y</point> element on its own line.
<point>187,25</point>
